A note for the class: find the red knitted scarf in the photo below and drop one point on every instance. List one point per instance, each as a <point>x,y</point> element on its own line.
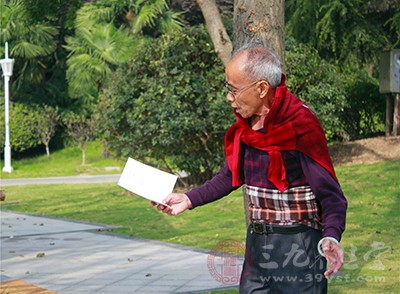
<point>289,125</point>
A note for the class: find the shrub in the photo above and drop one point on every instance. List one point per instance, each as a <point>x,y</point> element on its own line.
<point>169,104</point>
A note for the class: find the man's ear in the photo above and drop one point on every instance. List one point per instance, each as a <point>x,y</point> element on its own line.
<point>263,89</point>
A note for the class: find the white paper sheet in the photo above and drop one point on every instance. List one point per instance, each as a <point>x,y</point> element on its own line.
<point>147,181</point>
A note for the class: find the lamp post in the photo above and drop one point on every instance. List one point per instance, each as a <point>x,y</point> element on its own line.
<point>7,67</point>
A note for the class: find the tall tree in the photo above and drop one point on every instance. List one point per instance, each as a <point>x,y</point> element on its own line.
<point>46,125</point>
<point>81,129</point>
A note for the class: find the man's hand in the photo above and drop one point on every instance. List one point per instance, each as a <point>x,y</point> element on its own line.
<point>334,255</point>
<point>177,203</point>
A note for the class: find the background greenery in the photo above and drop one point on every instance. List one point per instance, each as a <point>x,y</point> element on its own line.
<point>370,241</point>
<point>76,55</point>
<point>155,58</point>
<point>171,117</point>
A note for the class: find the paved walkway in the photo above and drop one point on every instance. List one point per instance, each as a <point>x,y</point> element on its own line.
<point>61,180</point>
<point>71,257</point>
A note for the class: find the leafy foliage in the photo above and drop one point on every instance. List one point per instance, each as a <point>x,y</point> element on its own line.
<point>30,39</point>
<point>154,14</point>
<point>364,111</point>
<point>316,82</point>
<point>332,66</point>
<point>22,122</point>
<point>349,34</point>
<point>92,53</point>
<point>394,25</point>
<point>347,101</point>
<point>107,34</point>
<point>343,30</point>
<point>169,105</point>
<point>34,31</point>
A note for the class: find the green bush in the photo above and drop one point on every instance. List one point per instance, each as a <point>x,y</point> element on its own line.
<point>317,83</point>
<point>346,100</point>
<point>22,122</point>
<point>364,111</point>
<point>169,104</point>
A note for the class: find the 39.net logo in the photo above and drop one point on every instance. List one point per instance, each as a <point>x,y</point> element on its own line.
<point>225,262</point>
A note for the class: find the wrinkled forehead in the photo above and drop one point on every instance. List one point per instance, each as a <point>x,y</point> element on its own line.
<point>237,64</point>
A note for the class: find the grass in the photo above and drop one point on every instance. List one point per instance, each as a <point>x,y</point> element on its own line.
<point>371,240</point>
<point>65,162</point>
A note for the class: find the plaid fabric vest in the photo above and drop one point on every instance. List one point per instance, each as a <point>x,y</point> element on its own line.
<point>295,205</point>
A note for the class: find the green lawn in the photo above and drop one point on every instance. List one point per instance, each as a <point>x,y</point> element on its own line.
<point>65,162</point>
<point>371,240</point>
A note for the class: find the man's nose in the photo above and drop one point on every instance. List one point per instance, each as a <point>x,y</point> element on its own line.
<point>230,97</point>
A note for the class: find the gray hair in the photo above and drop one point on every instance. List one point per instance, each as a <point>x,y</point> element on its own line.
<point>261,63</point>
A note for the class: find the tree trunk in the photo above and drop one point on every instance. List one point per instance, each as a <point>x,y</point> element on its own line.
<point>216,29</point>
<point>47,150</point>
<point>258,21</point>
<point>261,22</point>
<point>83,156</point>
<point>106,149</point>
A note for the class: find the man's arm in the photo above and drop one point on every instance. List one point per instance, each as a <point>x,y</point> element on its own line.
<point>333,211</point>
<point>329,195</point>
<point>219,186</point>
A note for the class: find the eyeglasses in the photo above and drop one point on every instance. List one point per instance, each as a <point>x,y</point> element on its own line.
<point>235,92</point>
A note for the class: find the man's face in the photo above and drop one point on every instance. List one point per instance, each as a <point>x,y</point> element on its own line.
<point>243,94</point>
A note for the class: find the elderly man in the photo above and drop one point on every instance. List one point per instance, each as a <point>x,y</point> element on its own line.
<point>277,150</point>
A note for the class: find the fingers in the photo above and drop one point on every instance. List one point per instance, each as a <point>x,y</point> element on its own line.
<point>328,273</point>
<point>333,269</point>
<point>335,257</point>
<point>163,208</point>
<point>175,204</point>
<point>166,209</point>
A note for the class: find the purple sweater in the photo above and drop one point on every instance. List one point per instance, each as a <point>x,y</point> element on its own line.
<point>300,170</point>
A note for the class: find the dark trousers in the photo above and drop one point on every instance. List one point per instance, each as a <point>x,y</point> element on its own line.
<point>283,263</point>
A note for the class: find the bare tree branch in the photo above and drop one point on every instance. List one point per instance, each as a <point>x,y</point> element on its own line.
<point>216,29</point>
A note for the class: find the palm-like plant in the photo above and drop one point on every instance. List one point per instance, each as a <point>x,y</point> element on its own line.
<point>107,33</point>
<point>29,40</point>
<point>154,14</point>
<point>136,16</point>
<point>93,53</point>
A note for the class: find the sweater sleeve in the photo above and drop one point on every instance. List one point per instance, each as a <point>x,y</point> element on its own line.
<point>329,196</point>
<point>219,186</point>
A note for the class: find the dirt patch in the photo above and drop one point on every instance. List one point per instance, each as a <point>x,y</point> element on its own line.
<point>366,151</point>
